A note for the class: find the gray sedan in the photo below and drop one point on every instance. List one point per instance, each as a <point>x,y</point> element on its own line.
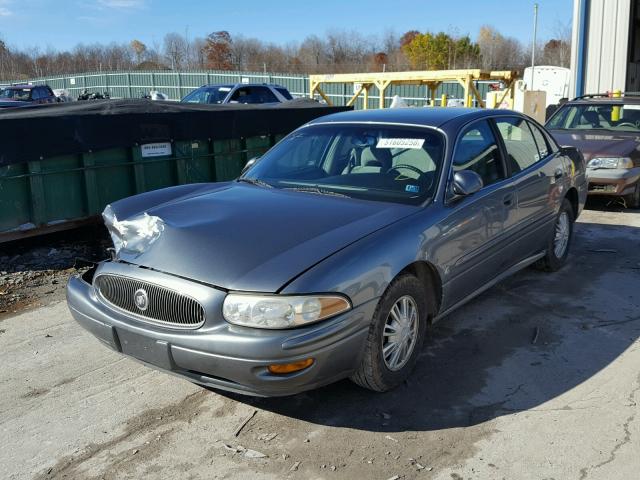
<point>332,254</point>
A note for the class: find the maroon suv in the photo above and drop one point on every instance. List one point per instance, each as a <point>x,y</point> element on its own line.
<point>607,131</point>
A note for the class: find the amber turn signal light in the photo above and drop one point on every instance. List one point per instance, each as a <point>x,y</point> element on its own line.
<point>290,367</point>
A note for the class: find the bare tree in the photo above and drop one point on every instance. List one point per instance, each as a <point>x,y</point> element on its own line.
<point>175,50</point>
<point>557,51</point>
<point>499,52</point>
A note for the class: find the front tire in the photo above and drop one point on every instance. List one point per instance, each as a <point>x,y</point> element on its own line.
<point>396,335</point>
<point>633,199</point>
<point>560,239</point>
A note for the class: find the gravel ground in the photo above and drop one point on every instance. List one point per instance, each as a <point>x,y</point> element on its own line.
<point>536,379</point>
<point>34,272</point>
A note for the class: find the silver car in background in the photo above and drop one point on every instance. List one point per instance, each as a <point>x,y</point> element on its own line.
<point>246,93</point>
<point>333,253</point>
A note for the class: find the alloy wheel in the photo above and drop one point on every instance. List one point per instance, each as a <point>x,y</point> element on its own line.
<point>561,239</point>
<point>400,333</point>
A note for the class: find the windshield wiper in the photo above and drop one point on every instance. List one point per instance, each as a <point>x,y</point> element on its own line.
<point>317,190</point>
<point>255,181</point>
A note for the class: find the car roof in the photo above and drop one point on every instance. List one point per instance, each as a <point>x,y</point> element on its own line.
<point>604,99</point>
<point>232,85</point>
<point>420,116</point>
<point>19,87</point>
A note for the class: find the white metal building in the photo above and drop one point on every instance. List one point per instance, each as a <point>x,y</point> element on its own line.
<point>605,53</point>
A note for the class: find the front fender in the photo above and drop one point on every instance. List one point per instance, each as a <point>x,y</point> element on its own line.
<point>364,269</point>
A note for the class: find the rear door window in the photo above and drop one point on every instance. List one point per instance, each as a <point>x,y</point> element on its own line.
<point>284,92</point>
<point>544,149</point>
<point>522,151</point>
<point>263,95</point>
<point>477,150</point>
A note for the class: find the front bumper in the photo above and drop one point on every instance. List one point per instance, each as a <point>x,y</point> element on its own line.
<point>614,181</point>
<point>225,356</point>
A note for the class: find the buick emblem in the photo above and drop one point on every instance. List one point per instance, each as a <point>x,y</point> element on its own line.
<point>141,299</point>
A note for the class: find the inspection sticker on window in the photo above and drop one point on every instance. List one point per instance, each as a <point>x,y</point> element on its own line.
<point>413,143</point>
<point>412,188</point>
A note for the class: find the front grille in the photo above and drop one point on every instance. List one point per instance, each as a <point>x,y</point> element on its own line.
<point>163,305</point>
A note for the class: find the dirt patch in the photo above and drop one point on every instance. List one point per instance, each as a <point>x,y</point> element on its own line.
<point>36,392</point>
<point>34,272</point>
<point>148,422</point>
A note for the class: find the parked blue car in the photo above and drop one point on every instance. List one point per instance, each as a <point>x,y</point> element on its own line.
<point>332,254</point>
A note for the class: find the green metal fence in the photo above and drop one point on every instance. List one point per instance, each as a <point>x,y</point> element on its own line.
<point>64,191</point>
<point>133,84</point>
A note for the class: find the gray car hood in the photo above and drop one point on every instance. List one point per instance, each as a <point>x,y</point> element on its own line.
<point>250,238</point>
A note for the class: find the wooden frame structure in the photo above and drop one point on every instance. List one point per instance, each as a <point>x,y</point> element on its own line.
<point>431,78</point>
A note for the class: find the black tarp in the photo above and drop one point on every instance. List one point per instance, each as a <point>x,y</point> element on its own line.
<point>43,131</point>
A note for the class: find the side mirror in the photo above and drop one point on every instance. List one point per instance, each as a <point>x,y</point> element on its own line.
<point>568,150</point>
<point>465,183</point>
<point>249,164</point>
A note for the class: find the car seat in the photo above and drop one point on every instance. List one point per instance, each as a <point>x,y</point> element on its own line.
<point>592,118</point>
<point>369,160</point>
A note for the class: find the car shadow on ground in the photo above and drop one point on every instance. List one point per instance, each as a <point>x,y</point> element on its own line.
<point>529,339</point>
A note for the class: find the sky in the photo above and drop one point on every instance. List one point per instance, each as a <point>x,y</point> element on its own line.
<point>63,24</point>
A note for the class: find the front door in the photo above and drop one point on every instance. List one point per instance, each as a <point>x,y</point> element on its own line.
<point>473,233</point>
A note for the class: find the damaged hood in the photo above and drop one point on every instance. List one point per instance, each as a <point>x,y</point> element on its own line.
<point>244,237</point>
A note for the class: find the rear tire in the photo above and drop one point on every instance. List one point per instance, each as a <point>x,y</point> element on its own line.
<point>396,335</point>
<point>559,240</point>
<point>633,199</point>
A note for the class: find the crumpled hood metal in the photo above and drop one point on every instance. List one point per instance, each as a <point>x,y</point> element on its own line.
<point>593,143</point>
<point>243,237</point>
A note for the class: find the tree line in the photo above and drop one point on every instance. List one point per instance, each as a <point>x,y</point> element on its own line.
<point>337,51</point>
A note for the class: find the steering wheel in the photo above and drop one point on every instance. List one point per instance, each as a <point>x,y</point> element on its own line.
<point>627,124</point>
<point>408,167</point>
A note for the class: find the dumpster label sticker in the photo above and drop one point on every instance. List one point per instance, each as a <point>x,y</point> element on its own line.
<point>156,149</point>
<point>412,143</point>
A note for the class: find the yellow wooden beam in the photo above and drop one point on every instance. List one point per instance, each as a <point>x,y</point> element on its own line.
<point>366,96</point>
<point>420,76</point>
<point>383,79</point>
<point>467,91</point>
<point>382,86</point>
<point>353,99</point>
<point>507,90</point>
<point>476,94</point>
<point>415,76</point>
<point>433,88</point>
<point>322,94</point>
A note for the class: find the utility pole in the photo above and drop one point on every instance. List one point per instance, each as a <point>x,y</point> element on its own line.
<point>533,45</point>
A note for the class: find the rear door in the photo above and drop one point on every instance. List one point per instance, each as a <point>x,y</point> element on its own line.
<point>474,231</point>
<point>534,170</point>
<point>35,95</point>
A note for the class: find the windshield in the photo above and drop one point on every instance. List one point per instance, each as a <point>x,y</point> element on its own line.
<point>615,117</point>
<point>16,93</point>
<point>383,163</point>
<point>208,95</point>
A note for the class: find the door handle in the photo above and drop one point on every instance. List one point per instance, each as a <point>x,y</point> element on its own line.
<point>507,200</point>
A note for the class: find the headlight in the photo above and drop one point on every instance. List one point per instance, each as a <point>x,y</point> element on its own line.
<point>276,311</point>
<point>610,162</point>
<point>134,235</point>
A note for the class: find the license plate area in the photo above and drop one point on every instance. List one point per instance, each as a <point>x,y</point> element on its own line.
<point>149,350</point>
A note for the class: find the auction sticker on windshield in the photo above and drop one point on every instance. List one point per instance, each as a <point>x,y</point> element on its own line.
<point>413,143</point>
